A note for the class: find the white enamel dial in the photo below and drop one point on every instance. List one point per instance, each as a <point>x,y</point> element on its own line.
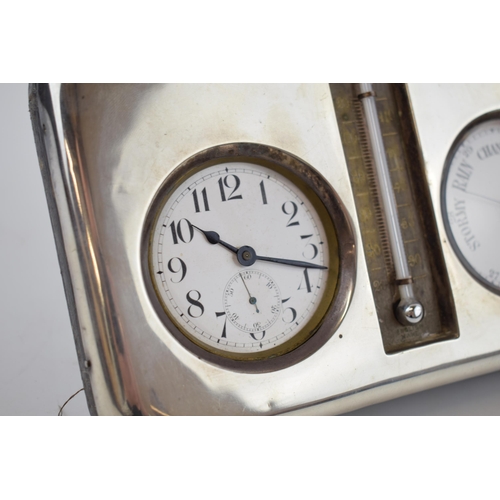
<point>205,229</point>
<point>471,198</point>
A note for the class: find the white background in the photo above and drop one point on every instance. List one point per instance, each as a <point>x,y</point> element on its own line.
<point>38,365</point>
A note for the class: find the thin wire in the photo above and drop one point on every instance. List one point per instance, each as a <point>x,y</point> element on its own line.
<point>67,401</point>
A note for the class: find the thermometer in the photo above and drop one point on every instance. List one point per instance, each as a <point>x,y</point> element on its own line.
<point>401,243</point>
<point>409,310</point>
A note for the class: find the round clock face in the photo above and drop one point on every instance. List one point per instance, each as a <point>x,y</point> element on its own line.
<point>471,201</point>
<point>243,256</point>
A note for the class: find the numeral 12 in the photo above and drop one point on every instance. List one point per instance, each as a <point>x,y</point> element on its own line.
<point>225,183</point>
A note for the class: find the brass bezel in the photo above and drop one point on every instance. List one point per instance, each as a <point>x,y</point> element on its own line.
<point>342,268</point>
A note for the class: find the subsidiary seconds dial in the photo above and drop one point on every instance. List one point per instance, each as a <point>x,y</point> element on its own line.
<point>255,311</point>
<point>243,258</point>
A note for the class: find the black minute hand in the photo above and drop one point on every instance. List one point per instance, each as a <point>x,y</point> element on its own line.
<point>297,263</point>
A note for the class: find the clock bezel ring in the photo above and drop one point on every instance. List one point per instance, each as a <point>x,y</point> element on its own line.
<point>309,179</point>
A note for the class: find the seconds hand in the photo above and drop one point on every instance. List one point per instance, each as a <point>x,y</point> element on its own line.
<point>247,256</point>
<point>252,300</point>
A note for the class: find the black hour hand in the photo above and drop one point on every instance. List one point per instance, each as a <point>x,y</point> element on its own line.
<point>214,238</point>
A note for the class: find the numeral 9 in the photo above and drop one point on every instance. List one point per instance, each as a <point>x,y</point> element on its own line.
<point>180,269</point>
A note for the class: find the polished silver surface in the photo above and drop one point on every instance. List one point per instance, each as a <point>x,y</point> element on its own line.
<point>105,151</point>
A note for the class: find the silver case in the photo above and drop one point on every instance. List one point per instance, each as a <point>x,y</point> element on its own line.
<point>104,152</point>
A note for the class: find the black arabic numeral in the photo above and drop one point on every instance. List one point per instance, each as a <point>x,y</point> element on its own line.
<point>314,247</point>
<point>219,314</point>
<point>291,309</point>
<point>255,338</point>
<point>263,193</point>
<point>182,268</point>
<point>205,200</point>
<point>234,188</point>
<point>177,233</point>
<point>195,303</point>
<point>306,279</point>
<point>294,314</point>
<point>293,213</point>
<point>174,233</point>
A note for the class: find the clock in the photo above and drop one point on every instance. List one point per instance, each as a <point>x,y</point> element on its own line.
<point>248,257</point>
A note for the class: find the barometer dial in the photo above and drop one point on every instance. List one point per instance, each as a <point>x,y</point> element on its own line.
<point>243,256</point>
<point>471,200</point>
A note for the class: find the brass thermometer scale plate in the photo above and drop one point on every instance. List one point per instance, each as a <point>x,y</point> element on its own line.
<point>415,214</point>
